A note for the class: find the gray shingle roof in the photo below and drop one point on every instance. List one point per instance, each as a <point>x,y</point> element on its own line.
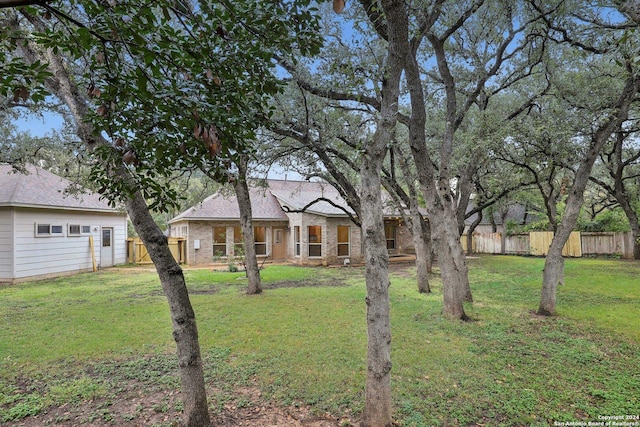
<point>223,205</point>
<point>267,203</point>
<point>43,189</point>
<point>298,194</point>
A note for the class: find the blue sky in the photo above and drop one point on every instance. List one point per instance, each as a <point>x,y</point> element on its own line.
<point>39,125</point>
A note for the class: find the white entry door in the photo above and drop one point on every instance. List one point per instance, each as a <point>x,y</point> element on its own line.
<point>106,250</point>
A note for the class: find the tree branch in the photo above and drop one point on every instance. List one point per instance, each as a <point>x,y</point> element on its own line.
<point>335,95</point>
<point>323,199</point>
<point>4,4</point>
<point>376,17</point>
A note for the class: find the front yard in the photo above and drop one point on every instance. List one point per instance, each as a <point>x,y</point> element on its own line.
<point>97,348</point>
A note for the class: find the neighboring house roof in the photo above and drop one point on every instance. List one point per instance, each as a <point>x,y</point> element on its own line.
<point>224,206</point>
<point>42,189</point>
<point>515,212</point>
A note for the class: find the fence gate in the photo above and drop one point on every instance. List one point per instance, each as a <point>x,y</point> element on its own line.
<point>137,253</point>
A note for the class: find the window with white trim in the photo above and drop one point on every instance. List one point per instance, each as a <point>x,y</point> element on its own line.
<point>74,230</point>
<point>390,235</point>
<point>238,243</point>
<point>343,240</point>
<point>260,239</point>
<point>219,241</point>
<point>48,230</point>
<point>315,240</point>
<point>296,233</point>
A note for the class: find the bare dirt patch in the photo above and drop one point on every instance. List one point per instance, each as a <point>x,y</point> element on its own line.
<point>263,414</point>
<point>304,284</point>
<point>402,269</point>
<point>137,407</point>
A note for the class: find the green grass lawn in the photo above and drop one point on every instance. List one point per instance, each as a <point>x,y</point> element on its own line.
<point>303,341</point>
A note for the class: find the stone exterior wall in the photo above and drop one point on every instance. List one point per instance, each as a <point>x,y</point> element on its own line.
<point>404,239</point>
<point>355,241</point>
<point>329,246</point>
<point>203,231</point>
<point>304,220</point>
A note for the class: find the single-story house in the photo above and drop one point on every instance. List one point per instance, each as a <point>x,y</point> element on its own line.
<point>45,232</point>
<point>287,225</point>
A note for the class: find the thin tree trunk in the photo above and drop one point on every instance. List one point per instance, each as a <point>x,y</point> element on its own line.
<point>428,241</point>
<point>632,217</point>
<point>244,204</point>
<point>554,263</point>
<point>453,269</point>
<point>185,331</point>
<point>618,190</point>
<point>464,192</point>
<point>423,252</point>
<point>377,411</point>
<point>503,235</point>
<point>622,196</point>
<point>442,214</point>
<point>420,231</point>
<point>471,230</point>
<point>415,223</point>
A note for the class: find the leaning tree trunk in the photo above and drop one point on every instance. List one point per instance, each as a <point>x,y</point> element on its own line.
<point>185,332</point>
<point>554,263</point>
<point>622,197</point>
<point>635,231</point>
<point>244,204</point>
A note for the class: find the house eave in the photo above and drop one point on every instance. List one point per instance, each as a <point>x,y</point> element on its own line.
<point>223,219</point>
<point>62,208</point>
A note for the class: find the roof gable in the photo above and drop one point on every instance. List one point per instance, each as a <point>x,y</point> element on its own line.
<point>268,203</point>
<point>297,195</point>
<point>224,206</point>
<point>42,189</point>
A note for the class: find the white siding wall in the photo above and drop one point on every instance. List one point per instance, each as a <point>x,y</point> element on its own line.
<point>36,256</point>
<point>119,237</point>
<point>6,245</point>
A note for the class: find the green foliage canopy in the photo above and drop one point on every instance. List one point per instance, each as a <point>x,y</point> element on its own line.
<point>173,85</point>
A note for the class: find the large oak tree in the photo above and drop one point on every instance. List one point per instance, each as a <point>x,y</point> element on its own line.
<point>154,89</point>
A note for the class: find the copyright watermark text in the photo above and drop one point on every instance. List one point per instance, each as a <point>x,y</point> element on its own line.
<point>604,421</point>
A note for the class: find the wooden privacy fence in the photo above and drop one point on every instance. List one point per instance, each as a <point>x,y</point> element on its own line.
<point>609,243</point>
<point>537,243</point>
<point>491,243</point>
<point>137,253</point>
